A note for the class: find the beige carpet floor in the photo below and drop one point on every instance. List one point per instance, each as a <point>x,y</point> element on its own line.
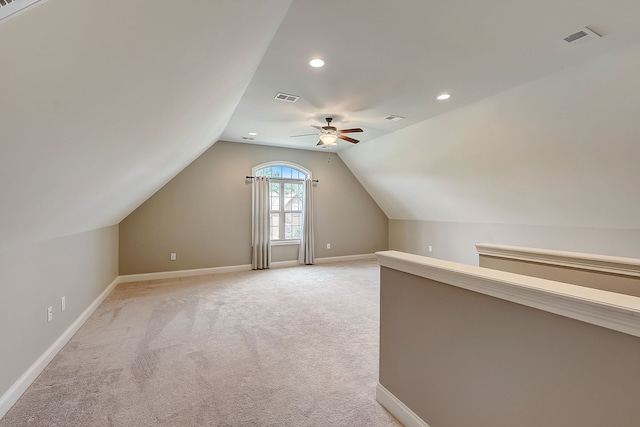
<point>284,347</point>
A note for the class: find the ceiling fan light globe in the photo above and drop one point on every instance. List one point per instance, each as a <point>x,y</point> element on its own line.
<point>328,139</point>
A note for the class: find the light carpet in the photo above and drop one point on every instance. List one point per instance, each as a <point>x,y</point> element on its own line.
<point>285,347</point>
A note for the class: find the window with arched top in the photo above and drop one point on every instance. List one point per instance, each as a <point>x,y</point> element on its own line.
<point>286,197</point>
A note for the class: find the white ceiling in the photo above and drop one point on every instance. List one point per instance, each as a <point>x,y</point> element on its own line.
<point>395,57</point>
<point>102,105</point>
<point>562,150</point>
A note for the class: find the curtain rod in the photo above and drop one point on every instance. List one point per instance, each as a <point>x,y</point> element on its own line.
<point>285,179</point>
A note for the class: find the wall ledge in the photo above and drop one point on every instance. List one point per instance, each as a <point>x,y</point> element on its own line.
<point>602,263</point>
<point>610,310</point>
<point>391,403</point>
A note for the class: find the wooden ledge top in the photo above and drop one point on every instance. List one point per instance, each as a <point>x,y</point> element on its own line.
<point>602,308</point>
<point>602,263</point>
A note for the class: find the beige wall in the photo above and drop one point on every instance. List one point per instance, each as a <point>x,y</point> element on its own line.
<point>620,283</point>
<point>454,241</point>
<point>460,358</point>
<point>203,214</point>
<point>35,277</point>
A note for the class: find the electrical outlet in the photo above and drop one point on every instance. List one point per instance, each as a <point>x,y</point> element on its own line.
<point>430,248</point>
<point>173,256</point>
<point>63,303</point>
<point>49,314</point>
<point>328,245</point>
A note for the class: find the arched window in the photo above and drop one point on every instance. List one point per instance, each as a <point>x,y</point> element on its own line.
<point>287,199</point>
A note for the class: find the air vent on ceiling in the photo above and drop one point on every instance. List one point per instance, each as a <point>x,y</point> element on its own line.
<point>394,118</point>
<point>247,138</point>
<point>9,7</point>
<point>286,97</point>
<point>581,36</point>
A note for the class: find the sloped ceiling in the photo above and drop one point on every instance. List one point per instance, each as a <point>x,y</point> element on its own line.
<point>385,58</point>
<point>563,150</point>
<point>537,132</point>
<point>102,103</point>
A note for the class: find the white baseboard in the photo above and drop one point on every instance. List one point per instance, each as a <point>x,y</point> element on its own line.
<point>359,257</point>
<point>327,260</point>
<point>235,268</point>
<point>406,416</point>
<point>183,273</point>
<point>20,386</point>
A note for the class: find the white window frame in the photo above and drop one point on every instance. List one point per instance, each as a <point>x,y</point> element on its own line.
<point>300,168</point>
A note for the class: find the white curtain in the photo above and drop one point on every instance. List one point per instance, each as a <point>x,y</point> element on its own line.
<point>305,254</point>
<point>260,241</point>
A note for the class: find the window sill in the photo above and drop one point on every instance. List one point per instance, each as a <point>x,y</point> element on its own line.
<point>284,242</point>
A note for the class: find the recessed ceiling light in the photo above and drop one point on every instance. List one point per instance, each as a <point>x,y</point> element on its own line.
<point>316,63</point>
<point>252,133</point>
<point>444,96</point>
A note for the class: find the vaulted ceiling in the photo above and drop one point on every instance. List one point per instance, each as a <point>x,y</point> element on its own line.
<point>102,105</point>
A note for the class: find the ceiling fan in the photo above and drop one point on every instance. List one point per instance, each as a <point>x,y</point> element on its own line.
<point>330,134</point>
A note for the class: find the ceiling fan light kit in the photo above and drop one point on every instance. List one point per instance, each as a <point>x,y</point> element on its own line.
<point>328,139</point>
<point>330,134</point>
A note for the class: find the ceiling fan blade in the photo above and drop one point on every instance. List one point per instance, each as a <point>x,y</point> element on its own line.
<point>350,130</point>
<point>304,134</point>
<point>320,142</point>
<point>346,138</point>
<point>317,127</point>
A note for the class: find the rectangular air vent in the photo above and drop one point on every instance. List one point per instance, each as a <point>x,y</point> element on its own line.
<point>247,138</point>
<point>9,7</point>
<point>286,97</point>
<point>394,118</point>
<point>581,36</point>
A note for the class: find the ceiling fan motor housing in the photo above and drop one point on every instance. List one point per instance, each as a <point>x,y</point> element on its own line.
<point>328,127</point>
